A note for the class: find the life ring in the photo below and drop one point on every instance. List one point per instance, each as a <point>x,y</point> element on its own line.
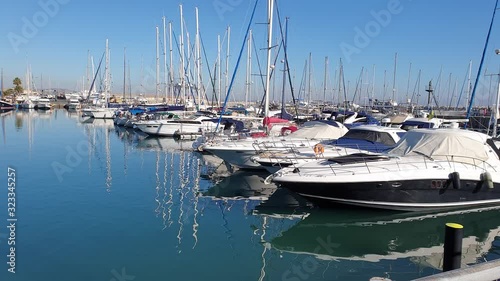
<point>319,149</point>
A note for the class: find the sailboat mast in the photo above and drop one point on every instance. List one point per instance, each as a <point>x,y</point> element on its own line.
<point>183,89</point>
<point>226,83</point>
<point>250,43</point>
<point>218,70</point>
<point>198,59</point>
<point>1,83</point>
<point>285,69</point>
<point>408,85</point>
<point>469,108</point>
<point>165,58</point>
<point>449,87</point>
<point>270,9</point>
<point>189,56</point>
<point>87,78</point>
<point>394,79</point>
<point>340,89</point>
<point>142,75</point>
<point>171,61</point>
<point>249,67</point>
<point>28,78</point>
<point>124,73</point>
<point>325,86</point>
<point>373,84</point>
<point>309,81</point>
<point>129,82</point>
<point>157,63</point>
<point>468,83</point>
<point>107,75</point>
<point>495,111</point>
<point>385,86</point>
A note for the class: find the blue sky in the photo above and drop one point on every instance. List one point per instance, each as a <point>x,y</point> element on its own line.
<point>439,36</point>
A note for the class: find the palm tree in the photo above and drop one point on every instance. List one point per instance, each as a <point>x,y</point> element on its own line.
<point>18,88</point>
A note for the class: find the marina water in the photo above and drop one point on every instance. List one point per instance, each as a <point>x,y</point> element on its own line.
<point>95,202</point>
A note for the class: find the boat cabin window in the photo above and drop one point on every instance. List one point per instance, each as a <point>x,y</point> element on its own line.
<point>419,125</point>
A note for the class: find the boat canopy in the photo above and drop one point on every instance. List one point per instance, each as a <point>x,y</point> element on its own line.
<point>462,145</point>
<point>319,130</point>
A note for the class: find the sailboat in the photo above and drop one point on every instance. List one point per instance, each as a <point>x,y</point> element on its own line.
<point>103,112</point>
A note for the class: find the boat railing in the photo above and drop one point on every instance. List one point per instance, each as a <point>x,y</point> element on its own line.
<point>338,164</point>
<point>283,145</point>
<point>296,154</point>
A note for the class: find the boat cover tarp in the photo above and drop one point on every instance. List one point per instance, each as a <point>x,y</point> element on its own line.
<point>319,130</point>
<point>273,120</point>
<point>441,144</point>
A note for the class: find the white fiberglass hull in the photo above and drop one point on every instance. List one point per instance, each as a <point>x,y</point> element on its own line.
<point>101,113</point>
<point>240,157</point>
<point>168,129</point>
<point>409,184</point>
<point>44,106</point>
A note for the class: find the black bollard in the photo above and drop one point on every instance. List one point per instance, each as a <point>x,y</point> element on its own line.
<point>453,246</point>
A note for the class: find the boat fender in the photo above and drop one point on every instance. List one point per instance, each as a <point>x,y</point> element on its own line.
<point>486,179</point>
<point>455,180</point>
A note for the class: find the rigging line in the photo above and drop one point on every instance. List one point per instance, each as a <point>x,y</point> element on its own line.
<point>185,70</point>
<point>191,75</point>
<point>236,67</point>
<point>415,87</point>
<point>343,84</point>
<point>286,56</point>
<point>453,92</point>
<point>261,75</point>
<point>481,64</point>
<point>95,77</point>
<point>302,81</point>
<point>212,78</point>
<point>358,81</point>
<point>462,90</point>
<point>272,72</point>
<point>185,73</point>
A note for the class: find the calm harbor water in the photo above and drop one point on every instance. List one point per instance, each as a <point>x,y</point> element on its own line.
<point>95,202</point>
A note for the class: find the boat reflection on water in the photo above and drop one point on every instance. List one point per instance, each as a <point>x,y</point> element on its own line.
<point>96,122</point>
<point>284,204</point>
<point>241,185</point>
<point>353,234</point>
<point>96,130</point>
<point>128,135</point>
<point>162,143</point>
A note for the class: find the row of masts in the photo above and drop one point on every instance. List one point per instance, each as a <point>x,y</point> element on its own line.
<point>175,89</point>
<point>341,90</point>
<point>166,85</point>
